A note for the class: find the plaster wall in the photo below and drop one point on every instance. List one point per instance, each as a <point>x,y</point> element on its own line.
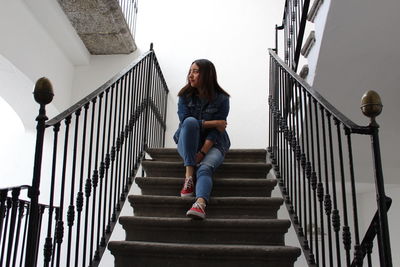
<point>359,52</point>
<point>235,36</point>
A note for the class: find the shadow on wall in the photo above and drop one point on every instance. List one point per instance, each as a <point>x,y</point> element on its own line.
<point>18,112</point>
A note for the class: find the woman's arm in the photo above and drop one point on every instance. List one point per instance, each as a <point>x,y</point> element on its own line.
<point>220,125</point>
<point>204,150</point>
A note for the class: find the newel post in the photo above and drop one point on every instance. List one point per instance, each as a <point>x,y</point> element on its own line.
<point>371,106</point>
<point>43,94</point>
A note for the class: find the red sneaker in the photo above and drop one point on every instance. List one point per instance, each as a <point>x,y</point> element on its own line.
<point>196,211</point>
<point>188,187</point>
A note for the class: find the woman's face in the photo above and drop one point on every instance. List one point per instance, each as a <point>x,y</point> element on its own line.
<point>194,76</point>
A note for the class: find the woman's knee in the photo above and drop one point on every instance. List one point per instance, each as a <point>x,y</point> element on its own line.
<point>205,170</point>
<point>190,122</point>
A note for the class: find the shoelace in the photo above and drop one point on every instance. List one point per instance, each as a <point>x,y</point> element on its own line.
<point>199,206</point>
<point>188,183</point>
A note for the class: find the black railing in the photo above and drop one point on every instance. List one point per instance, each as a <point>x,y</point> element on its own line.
<point>310,143</point>
<point>14,219</point>
<point>293,26</point>
<point>95,149</point>
<point>130,9</point>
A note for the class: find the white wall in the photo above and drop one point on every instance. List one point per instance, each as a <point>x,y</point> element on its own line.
<point>359,52</point>
<point>30,49</point>
<point>235,35</point>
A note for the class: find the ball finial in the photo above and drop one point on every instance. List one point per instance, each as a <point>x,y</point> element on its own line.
<point>371,104</point>
<point>43,92</point>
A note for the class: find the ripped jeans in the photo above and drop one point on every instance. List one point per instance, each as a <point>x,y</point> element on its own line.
<point>188,147</point>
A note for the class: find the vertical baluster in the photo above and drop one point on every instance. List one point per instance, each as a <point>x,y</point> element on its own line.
<point>88,188</point>
<point>100,211</point>
<point>123,145</point>
<point>100,159</point>
<point>135,116</point>
<point>111,153</point>
<point>358,255</point>
<point>143,108</point>
<point>79,198</point>
<point>11,230</point>
<point>130,126</point>
<point>71,208</point>
<point>94,246</point>
<point>306,174</point>
<point>6,235</point>
<point>320,190</point>
<point>313,193</point>
<point>302,162</point>
<point>327,197</point>
<point>56,218</point>
<point>42,209</point>
<point>335,212</point>
<point>48,248</point>
<point>113,176</point>
<point>292,146</point>
<point>21,214</point>
<point>308,214</point>
<point>297,165</point>
<point>25,234</point>
<point>118,158</point>
<point>346,229</point>
<point>126,135</point>
<point>60,222</point>
<point>102,204</point>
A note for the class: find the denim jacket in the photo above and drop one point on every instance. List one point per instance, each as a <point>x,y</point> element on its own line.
<point>217,109</point>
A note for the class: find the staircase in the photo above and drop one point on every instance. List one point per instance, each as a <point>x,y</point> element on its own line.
<point>241,228</point>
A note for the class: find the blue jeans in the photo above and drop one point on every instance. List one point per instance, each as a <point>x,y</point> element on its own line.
<point>188,146</point>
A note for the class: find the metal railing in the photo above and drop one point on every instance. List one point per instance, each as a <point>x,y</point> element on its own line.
<point>293,26</point>
<point>130,10</point>
<point>310,143</point>
<point>95,148</point>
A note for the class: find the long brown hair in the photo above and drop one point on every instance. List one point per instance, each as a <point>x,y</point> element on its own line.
<point>208,81</point>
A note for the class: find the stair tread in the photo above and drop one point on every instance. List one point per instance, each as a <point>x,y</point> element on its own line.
<point>213,200</point>
<point>232,222</point>
<point>174,163</point>
<point>241,227</point>
<point>261,250</point>
<point>241,181</point>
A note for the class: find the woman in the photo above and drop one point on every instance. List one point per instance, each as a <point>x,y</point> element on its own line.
<point>203,107</point>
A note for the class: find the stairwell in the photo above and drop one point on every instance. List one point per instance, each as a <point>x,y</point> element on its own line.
<point>241,228</point>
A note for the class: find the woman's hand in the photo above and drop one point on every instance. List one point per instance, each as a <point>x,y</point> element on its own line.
<point>199,157</point>
<point>221,125</point>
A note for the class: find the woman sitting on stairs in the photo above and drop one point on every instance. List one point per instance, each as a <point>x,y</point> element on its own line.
<point>203,107</point>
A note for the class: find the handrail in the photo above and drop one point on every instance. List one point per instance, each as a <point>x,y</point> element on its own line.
<point>97,147</point>
<point>15,187</point>
<point>353,127</point>
<point>81,103</point>
<point>310,146</point>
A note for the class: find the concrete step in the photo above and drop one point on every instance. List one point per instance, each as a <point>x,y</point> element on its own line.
<point>134,253</point>
<point>210,231</point>
<point>219,207</point>
<point>226,170</point>
<point>233,155</point>
<point>222,187</point>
